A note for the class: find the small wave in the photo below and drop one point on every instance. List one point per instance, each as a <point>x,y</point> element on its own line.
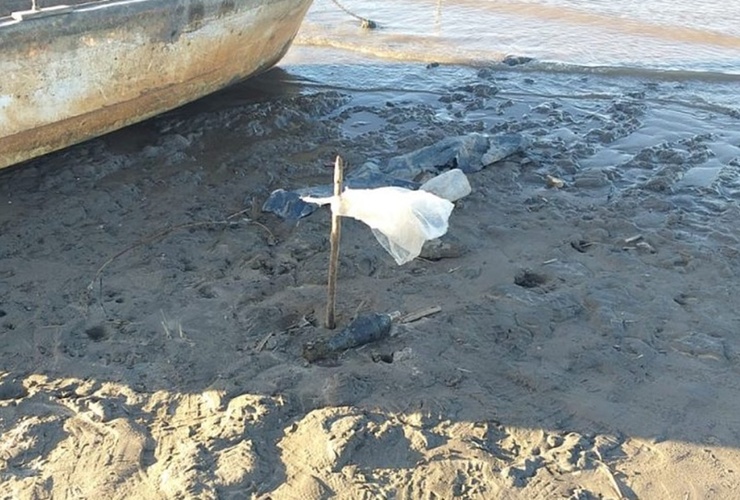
<point>650,73</point>
<point>626,37</point>
<point>418,50</point>
<point>431,52</point>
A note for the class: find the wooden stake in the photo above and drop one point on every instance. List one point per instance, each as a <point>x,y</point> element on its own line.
<point>336,231</point>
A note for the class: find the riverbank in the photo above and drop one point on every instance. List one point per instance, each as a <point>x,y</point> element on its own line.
<point>152,317</point>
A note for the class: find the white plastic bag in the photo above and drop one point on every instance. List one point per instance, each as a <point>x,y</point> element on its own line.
<point>401,219</point>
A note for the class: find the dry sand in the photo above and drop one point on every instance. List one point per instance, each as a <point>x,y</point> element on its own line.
<point>152,317</point>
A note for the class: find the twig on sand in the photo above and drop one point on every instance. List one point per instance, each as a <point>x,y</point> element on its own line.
<point>359,308</point>
<point>615,484</point>
<point>613,480</point>
<point>262,343</point>
<point>417,315</point>
<point>165,323</point>
<point>336,231</point>
<point>164,232</point>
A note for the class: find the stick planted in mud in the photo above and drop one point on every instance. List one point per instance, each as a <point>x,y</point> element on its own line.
<point>336,230</point>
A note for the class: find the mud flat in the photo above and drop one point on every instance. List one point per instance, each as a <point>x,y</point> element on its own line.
<point>152,317</point>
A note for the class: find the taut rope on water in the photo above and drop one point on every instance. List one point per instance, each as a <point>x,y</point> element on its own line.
<point>364,22</point>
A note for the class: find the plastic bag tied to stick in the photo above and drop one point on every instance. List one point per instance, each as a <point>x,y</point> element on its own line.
<point>401,219</point>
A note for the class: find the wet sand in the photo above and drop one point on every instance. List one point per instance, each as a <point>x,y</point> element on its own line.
<point>152,317</point>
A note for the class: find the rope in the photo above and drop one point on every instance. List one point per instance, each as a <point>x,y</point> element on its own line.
<point>367,24</point>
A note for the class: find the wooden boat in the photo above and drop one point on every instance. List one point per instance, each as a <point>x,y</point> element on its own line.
<point>76,71</point>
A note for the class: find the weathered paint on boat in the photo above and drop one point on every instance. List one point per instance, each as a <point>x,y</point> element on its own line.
<point>79,72</point>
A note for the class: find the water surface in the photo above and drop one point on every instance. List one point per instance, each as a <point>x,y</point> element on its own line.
<point>629,35</point>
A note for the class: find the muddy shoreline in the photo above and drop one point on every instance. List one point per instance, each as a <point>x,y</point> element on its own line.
<point>152,317</point>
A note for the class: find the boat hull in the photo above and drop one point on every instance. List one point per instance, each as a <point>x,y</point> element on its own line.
<point>94,68</point>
